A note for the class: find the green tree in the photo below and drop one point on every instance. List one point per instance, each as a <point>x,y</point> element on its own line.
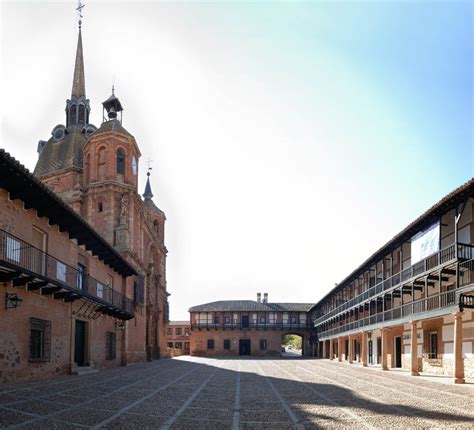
<point>292,339</point>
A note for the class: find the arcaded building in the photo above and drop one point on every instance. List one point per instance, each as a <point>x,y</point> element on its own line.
<point>92,172</point>
<point>248,327</point>
<point>410,305</point>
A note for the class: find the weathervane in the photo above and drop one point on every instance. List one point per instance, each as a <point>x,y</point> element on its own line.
<point>149,162</point>
<point>79,11</point>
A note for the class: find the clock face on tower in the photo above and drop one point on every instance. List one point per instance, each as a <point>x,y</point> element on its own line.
<point>134,165</point>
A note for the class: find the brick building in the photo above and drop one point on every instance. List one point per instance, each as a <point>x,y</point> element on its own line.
<point>248,327</point>
<point>94,172</point>
<point>178,336</point>
<point>56,316</point>
<point>410,304</point>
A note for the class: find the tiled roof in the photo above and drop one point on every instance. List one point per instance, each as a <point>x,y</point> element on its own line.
<point>63,154</point>
<point>115,126</point>
<point>251,306</point>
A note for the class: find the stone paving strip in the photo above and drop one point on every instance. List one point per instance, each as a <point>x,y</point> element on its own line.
<point>88,414</point>
<point>431,411</point>
<point>285,406</point>
<point>232,393</point>
<point>404,378</point>
<point>352,415</point>
<point>418,391</point>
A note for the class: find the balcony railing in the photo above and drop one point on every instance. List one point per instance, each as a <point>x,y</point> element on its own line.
<point>420,306</point>
<point>24,258</point>
<point>443,257</point>
<point>258,326</point>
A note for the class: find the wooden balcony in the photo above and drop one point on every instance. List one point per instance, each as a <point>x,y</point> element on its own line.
<point>25,265</point>
<point>447,256</point>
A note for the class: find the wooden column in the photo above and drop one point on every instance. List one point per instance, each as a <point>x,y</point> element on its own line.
<point>350,349</point>
<point>339,349</point>
<point>364,349</point>
<point>384,349</point>
<point>324,349</point>
<point>414,349</point>
<point>458,355</point>
<point>331,349</point>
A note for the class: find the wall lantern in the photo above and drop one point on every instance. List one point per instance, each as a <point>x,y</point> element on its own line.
<point>120,326</point>
<point>12,301</point>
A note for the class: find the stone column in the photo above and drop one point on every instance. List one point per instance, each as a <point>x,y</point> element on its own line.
<point>324,349</point>
<point>364,349</point>
<point>414,349</point>
<point>339,349</point>
<point>350,349</point>
<point>458,355</point>
<point>331,349</point>
<point>384,348</point>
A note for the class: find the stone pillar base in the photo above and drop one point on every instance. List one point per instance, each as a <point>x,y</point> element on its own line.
<point>459,381</point>
<point>415,374</point>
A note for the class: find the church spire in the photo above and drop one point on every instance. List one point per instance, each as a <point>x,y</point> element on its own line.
<point>78,107</point>
<point>148,195</point>
<point>78,81</point>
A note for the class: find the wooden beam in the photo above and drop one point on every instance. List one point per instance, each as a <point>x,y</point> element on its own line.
<point>32,286</point>
<point>19,282</point>
<point>8,276</point>
<point>62,295</point>
<point>49,290</point>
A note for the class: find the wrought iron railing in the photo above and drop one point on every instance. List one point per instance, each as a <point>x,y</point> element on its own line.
<point>20,254</point>
<point>239,326</point>
<point>426,304</point>
<point>443,257</point>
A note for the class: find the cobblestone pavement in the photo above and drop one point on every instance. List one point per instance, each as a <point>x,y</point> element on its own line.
<point>199,393</point>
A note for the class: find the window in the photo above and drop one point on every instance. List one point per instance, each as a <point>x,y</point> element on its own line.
<point>82,114</point>
<point>227,320</point>
<point>187,331</point>
<point>263,344</point>
<point>170,331</point>
<point>110,346</point>
<point>433,351</point>
<point>139,290</point>
<point>294,320</point>
<point>120,161</point>
<point>13,249</point>
<point>170,344</point>
<point>178,345</point>
<point>178,331</point>
<point>263,320</point>
<point>210,344</point>
<point>61,271</point>
<point>81,276</point>
<point>186,346</point>
<point>100,207</point>
<point>100,290</point>
<point>40,340</point>
<point>216,319</point>
<point>226,343</point>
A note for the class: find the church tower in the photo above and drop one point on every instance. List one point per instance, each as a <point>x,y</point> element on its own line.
<point>60,162</point>
<point>95,170</point>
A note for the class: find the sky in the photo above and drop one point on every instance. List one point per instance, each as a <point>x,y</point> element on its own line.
<point>290,140</point>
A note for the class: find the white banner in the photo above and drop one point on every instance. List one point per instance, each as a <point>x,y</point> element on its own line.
<point>425,243</point>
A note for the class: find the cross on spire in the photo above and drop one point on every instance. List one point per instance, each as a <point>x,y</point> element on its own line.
<point>79,8</point>
<point>149,163</point>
